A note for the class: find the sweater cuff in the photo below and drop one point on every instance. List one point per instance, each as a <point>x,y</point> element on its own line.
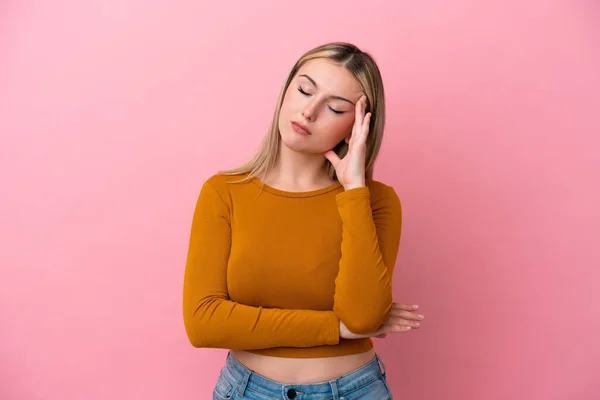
<point>335,329</point>
<point>358,192</point>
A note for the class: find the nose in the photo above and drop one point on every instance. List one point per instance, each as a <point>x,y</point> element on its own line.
<point>309,111</point>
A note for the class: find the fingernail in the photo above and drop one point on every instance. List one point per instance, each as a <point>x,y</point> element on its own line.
<point>421,316</point>
<point>415,306</point>
<point>417,324</point>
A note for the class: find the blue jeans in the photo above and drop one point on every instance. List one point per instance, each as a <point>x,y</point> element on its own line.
<point>365,383</point>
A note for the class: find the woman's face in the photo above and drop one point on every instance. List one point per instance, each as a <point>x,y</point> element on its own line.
<point>321,98</point>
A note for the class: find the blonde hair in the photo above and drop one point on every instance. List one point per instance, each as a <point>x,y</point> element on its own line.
<point>365,70</point>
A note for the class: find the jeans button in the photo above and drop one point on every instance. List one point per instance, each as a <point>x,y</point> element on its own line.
<point>291,394</point>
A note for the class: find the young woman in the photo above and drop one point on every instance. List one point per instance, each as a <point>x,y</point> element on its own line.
<point>291,255</point>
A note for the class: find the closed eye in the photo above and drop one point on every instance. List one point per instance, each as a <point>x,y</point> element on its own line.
<point>308,94</point>
<point>302,91</point>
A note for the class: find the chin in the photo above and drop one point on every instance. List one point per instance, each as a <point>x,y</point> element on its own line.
<point>295,142</point>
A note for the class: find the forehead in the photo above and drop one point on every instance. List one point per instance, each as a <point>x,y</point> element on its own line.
<point>331,77</point>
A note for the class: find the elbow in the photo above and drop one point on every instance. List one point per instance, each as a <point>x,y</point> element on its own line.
<point>360,327</point>
<point>195,332</point>
<point>196,339</point>
<point>200,333</point>
<point>363,325</point>
<point>365,318</point>
<point>196,343</point>
<point>363,322</point>
<point>202,336</point>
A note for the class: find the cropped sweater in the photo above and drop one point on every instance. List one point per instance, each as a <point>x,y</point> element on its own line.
<point>273,272</point>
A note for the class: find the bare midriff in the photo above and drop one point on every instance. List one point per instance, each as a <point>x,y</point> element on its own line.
<point>302,370</point>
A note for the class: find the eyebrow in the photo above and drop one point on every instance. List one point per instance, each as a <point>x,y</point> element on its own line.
<point>333,97</point>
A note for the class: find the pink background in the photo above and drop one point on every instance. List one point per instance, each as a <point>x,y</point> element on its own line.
<point>113,113</point>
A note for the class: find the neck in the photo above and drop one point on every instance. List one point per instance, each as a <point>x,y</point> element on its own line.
<point>298,171</point>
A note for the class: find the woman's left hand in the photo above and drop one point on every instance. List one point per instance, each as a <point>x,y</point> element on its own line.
<point>350,170</point>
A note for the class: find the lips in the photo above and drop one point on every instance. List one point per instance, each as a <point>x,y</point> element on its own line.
<point>302,129</point>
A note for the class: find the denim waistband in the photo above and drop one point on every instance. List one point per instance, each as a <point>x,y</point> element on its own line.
<point>332,388</point>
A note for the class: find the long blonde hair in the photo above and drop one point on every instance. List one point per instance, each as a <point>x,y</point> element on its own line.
<point>365,70</point>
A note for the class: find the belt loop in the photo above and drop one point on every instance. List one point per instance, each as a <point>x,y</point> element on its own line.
<point>246,374</point>
<point>334,389</point>
<point>381,364</point>
<point>244,383</point>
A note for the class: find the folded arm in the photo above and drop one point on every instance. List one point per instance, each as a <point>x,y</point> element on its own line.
<point>211,319</point>
<point>370,240</point>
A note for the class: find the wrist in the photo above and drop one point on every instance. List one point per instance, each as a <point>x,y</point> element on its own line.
<point>345,333</point>
<point>342,330</point>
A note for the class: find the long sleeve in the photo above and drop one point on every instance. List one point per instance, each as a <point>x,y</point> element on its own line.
<point>370,242</point>
<point>211,319</point>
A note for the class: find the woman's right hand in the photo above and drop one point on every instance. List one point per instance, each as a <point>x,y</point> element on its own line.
<point>401,319</point>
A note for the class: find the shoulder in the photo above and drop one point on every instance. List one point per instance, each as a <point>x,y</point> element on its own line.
<point>222,182</point>
<point>382,193</point>
<point>385,204</point>
<point>220,185</point>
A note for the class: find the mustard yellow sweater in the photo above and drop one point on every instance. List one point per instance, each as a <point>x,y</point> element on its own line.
<point>273,272</point>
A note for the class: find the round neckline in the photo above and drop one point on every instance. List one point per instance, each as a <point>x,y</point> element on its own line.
<point>286,193</point>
